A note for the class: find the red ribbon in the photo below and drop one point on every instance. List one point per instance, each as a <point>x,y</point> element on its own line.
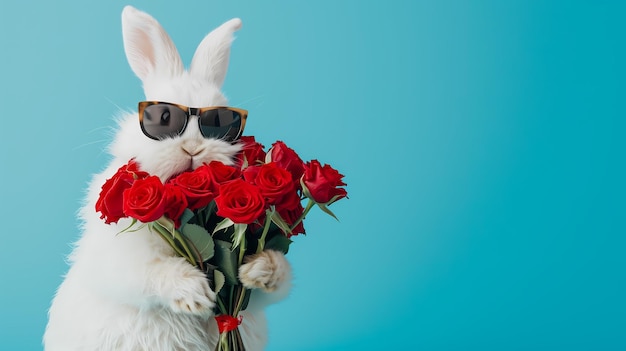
<point>226,323</point>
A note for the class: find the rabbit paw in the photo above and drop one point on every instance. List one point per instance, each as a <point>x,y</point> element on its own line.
<point>191,293</point>
<point>266,270</point>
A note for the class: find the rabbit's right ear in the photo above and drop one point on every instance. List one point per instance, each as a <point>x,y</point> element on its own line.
<point>211,58</point>
<point>149,49</point>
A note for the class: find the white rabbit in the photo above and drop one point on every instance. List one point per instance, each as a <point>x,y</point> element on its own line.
<point>129,291</point>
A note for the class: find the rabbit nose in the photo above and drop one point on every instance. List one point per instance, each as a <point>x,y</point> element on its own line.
<point>192,149</point>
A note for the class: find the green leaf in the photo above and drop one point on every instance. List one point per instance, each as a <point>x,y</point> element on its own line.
<point>268,156</point>
<point>279,243</point>
<point>226,223</point>
<point>166,223</point>
<point>186,217</point>
<point>208,211</point>
<point>246,299</point>
<point>335,198</point>
<point>325,209</point>
<point>219,280</point>
<point>239,235</point>
<point>226,260</point>
<point>280,222</point>
<point>127,229</point>
<point>200,239</point>
<point>305,189</point>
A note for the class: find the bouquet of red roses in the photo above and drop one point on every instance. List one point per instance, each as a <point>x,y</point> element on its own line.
<point>216,214</point>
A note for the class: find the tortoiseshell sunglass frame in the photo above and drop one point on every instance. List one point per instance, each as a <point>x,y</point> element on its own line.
<point>191,111</point>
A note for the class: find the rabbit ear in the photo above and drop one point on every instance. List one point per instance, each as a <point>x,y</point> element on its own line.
<point>149,49</point>
<point>211,58</point>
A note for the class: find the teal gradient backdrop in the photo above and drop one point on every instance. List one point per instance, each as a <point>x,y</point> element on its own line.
<point>482,143</point>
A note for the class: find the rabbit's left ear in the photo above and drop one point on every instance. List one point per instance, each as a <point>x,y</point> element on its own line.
<point>211,58</point>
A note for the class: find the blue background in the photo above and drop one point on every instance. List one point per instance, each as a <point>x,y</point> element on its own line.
<point>482,142</point>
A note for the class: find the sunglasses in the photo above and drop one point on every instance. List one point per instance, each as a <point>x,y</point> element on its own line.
<point>161,120</point>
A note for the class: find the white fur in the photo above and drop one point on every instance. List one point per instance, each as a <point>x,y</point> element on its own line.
<point>129,291</point>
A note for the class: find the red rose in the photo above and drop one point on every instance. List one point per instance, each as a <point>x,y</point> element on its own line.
<point>274,182</point>
<point>221,173</point>
<point>289,201</point>
<point>323,183</point>
<point>288,159</point>
<point>197,187</point>
<point>240,201</point>
<point>175,203</point>
<point>250,173</point>
<point>290,216</point>
<point>285,196</point>
<point>110,202</point>
<point>252,151</point>
<point>145,199</point>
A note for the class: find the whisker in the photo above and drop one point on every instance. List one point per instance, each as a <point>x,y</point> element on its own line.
<point>114,104</point>
<point>97,129</point>
<point>89,143</point>
<point>254,99</point>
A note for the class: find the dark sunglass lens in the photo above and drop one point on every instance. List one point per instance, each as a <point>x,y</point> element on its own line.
<point>163,121</point>
<point>220,124</point>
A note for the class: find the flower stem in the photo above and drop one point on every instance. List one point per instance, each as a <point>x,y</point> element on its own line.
<point>223,342</point>
<point>309,206</point>
<point>220,305</point>
<point>183,242</point>
<point>242,250</point>
<point>266,228</point>
<point>242,294</point>
<point>166,236</point>
<point>197,254</point>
